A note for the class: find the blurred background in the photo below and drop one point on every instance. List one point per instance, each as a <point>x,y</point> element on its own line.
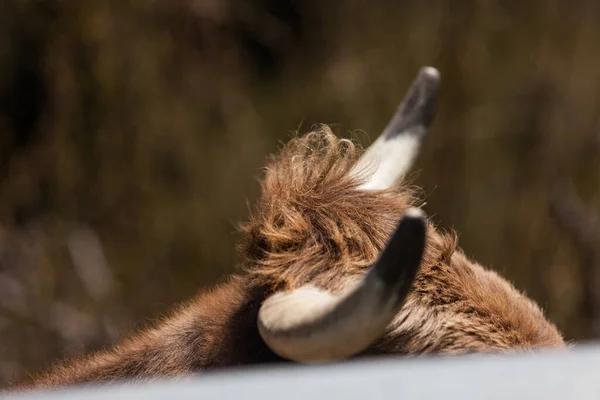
<point>132,135</point>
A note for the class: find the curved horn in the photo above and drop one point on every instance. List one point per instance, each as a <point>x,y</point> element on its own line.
<point>393,153</point>
<point>309,325</point>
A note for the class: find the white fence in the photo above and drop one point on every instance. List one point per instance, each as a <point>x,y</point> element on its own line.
<point>567,375</point>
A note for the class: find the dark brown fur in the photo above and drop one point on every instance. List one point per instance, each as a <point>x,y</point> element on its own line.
<point>312,224</point>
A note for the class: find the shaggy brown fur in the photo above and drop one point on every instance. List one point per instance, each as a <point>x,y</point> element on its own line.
<point>312,224</point>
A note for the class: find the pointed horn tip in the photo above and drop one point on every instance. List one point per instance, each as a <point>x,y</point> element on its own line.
<point>430,72</point>
<point>414,213</point>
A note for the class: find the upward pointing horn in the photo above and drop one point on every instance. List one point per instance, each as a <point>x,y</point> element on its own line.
<point>391,156</point>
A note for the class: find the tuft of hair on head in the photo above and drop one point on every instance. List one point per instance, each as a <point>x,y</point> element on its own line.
<point>313,217</point>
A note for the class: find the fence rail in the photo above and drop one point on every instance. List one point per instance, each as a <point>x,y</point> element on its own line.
<point>573,374</point>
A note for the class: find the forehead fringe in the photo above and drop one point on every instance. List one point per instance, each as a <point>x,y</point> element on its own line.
<point>312,223</point>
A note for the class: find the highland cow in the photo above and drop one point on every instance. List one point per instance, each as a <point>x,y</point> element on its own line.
<point>339,262</point>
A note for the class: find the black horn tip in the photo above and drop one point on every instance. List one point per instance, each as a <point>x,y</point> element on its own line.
<point>417,111</point>
<point>401,258</point>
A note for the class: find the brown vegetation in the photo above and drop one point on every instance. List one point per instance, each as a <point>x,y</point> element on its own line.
<point>139,123</point>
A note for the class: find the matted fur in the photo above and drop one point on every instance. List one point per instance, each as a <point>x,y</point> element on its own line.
<point>313,225</point>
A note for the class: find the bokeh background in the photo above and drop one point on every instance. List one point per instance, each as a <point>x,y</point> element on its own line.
<point>132,133</point>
